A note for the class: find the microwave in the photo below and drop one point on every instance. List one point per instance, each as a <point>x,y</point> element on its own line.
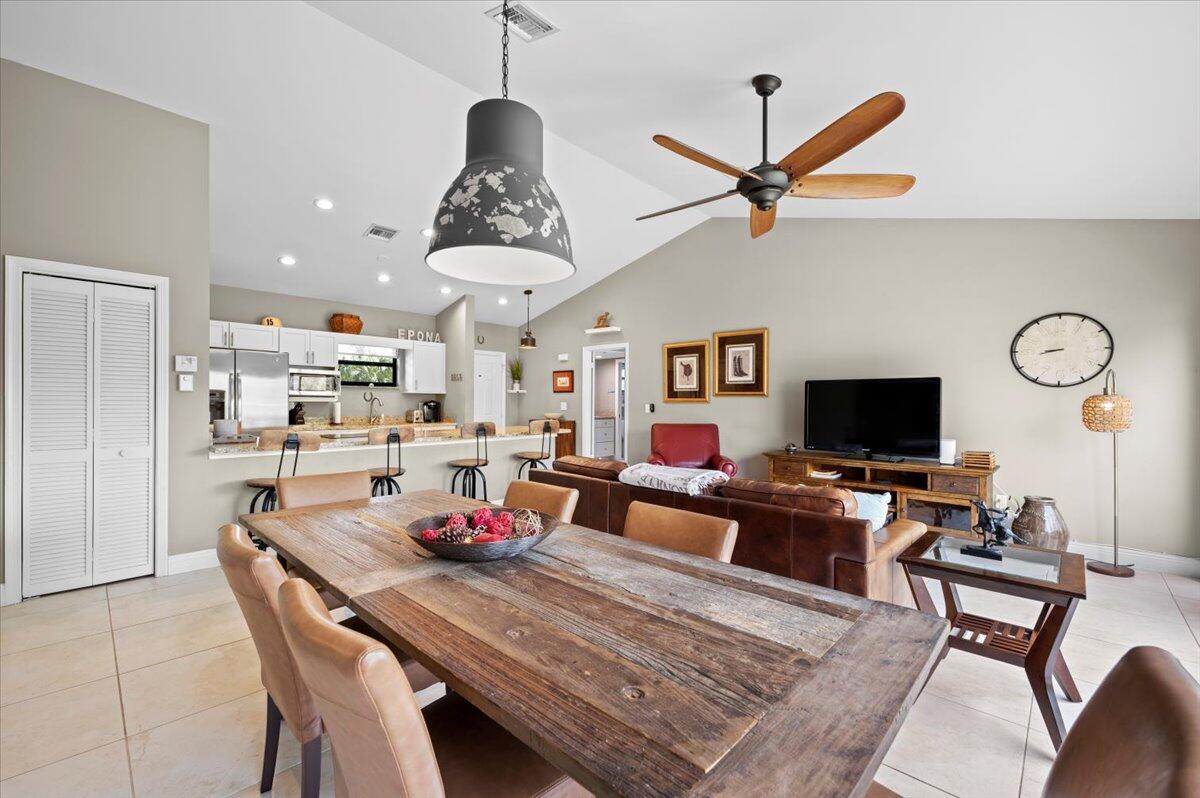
<point>314,383</point>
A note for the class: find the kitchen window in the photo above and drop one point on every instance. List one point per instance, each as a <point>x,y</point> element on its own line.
<point>370,370</point>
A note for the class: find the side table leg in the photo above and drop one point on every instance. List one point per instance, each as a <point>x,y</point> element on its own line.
<point>1040,666</point>
<point>1063,676</point>
<point>921,593</point>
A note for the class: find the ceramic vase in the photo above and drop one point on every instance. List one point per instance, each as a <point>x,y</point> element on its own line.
<point>1039,523</point>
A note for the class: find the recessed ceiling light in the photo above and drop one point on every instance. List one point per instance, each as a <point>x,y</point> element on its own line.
<point>445,289</point>
<point>287,260</point>
<point>427,232</point>
<point>383,277</point>
<point>324,203</point>
<point>503,300</point>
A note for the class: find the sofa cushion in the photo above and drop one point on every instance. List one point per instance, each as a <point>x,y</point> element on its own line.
<point>824,500</point>
<point>589,466</point>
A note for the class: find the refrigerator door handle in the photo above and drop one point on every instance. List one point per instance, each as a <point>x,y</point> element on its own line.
<point>237,395</point>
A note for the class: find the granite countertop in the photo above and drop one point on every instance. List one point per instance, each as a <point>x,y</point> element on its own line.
<point>222,450</point>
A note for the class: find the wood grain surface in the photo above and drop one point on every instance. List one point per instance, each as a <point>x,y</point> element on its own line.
<point>638,671</point>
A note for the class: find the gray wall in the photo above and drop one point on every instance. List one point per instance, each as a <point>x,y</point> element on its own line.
<point>456,324</point>
<point>93,178</point>
<point>875,298</point>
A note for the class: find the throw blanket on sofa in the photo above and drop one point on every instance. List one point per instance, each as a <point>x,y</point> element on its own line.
<point>692,481</point>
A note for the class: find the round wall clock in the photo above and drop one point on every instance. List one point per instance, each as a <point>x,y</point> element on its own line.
<point>1061,349</point>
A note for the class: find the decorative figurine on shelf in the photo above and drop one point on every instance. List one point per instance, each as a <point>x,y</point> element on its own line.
<point>271,321</point>
<point>604,320</point>
<point>791,448</point>
<point>995,534</point>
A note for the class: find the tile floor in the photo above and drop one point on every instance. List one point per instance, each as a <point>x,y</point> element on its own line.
<point>151,688</point>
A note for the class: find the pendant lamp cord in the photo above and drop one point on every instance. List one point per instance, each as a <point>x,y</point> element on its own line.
<point>504,55</point>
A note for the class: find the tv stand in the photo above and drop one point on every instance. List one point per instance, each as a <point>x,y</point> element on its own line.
<point>937,495</point>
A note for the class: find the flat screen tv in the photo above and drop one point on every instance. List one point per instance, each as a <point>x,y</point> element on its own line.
<point>890,416</point>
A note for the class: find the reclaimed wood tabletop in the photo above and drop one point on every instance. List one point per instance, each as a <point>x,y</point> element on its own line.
<point>637,670</point>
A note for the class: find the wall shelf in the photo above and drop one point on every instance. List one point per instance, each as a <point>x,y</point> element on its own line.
<point>601,330</point>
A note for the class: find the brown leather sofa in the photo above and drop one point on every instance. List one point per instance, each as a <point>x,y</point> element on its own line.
<point>809,534</point>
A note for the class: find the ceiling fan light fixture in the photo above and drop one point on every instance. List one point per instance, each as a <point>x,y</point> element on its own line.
<point>527,339</point>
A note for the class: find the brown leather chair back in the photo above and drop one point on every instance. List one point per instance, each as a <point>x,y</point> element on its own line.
<point>322,489</point>
<point>549,499</point>
<point>380,742</point>
<point>271,440</point>
<point>681,530</point>
<point>255,577</point>
<point>377,436</point>
<point>1138,735</point>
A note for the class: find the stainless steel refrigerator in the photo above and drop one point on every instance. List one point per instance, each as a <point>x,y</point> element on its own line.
<point>249,386</point>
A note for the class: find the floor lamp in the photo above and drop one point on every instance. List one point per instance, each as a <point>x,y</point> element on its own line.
<point>1109,412</point>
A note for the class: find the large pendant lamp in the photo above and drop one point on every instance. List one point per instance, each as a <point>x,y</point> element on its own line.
<point>499,222</point>
<point>527,339</point>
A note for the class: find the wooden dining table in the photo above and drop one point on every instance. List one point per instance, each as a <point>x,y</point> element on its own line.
<point>637,670</point>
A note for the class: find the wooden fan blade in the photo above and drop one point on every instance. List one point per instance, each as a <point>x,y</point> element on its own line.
<point>843,135</point>
<point>761,221</point>
<point>850,186</point>
<point>722,195</point>
<point>704,158</point>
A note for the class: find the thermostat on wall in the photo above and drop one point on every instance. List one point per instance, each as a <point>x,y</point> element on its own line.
<point>186,382</point>
<point>563,357</point>
<point>185,364</point>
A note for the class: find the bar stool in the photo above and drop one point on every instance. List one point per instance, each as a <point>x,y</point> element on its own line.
<point>383,480</point>
<point>532,460</point>
<point>284,441</point>
<point>471,467</point>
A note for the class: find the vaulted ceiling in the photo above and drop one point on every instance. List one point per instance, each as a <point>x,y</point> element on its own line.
<point>1031,110</point>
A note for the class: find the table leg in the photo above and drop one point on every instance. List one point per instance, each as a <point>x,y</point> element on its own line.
<point>920,593</point>
<point>953,602</point>
<point>1041,666</point>
<point>1063,676</point>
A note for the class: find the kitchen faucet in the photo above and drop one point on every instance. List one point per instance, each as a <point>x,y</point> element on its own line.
<point>371,399</point>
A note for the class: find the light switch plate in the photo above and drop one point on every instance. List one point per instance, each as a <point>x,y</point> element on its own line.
<point>562,405</point>
<point>563,357</point>
<point>649,407</point>
<point>186,382</point>
<point>185,364</point>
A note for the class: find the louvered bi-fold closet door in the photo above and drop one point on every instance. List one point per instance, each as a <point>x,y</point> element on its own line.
<point>123,446</point>
<point>57,414</point>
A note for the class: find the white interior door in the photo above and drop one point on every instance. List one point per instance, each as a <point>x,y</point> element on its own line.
<point>489,388</point>
<point>123,451</point>
<point>57,402</point>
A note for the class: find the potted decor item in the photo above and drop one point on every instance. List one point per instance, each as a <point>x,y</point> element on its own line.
<point>486,533</point>
<point>1039,523</point>
<point>345,323</point>
<point>516,370</point>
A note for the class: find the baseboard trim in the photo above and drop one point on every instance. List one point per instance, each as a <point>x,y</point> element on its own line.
<point>192,561</point>
<point>1147,560</point>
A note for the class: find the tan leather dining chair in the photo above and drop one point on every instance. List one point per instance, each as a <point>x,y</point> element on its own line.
<point>681,530</point>
<point>255,577</point>
<point>306,491</point>
<point>383,744</point>
<point>550,499</point>
<point>1138,735</point>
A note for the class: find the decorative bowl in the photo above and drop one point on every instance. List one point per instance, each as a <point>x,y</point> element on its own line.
<point>553,416</point>
<point>345,323</point>
<point>477,552</point>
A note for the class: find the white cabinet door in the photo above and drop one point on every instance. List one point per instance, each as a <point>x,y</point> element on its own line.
<point>56,462</point>
<point>254,336</point>
<point>295,344</point>
<point>323,349</point>
<point>218,335</point>
<point>429,366</point>
<point>123,447</point>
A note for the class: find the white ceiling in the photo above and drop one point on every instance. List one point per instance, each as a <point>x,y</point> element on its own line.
<point>1053,110</point>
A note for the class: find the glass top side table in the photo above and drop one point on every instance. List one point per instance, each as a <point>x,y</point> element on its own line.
<point>1054,578</point>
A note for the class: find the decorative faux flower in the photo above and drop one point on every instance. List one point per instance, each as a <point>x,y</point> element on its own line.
<point>481,516</point>
<point>457,519</point>
<point>429,534</point>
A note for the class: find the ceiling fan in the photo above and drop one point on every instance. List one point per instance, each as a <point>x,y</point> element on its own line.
<point>764,184</point>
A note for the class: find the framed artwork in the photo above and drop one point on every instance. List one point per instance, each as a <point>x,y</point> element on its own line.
<point>741,362</point>
<point>564,381</point>
<point>685,372</point>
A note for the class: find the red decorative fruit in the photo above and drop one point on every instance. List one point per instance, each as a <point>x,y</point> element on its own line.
<point>429,534</point>
<point>456,519</point>
<point>481,516</point>
<point>487,537</point>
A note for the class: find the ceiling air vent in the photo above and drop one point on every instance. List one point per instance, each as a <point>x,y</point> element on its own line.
<point>524,21</point>
<point>380,233</point>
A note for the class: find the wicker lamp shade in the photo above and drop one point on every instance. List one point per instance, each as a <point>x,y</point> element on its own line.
<point>1108,411</point>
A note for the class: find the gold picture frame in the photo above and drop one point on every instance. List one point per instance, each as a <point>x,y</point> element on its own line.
<point>686,372</point>
<point>741,362</point>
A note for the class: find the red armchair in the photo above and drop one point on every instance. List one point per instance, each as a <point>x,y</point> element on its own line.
<point>688,446</point>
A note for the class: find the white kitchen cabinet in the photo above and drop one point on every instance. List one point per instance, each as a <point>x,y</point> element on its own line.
<point>425,368</point>
<point>311,348</point>
<point>604,437</point>
<point>235,335</point>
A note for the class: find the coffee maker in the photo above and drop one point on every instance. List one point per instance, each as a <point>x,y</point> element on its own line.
<point>431,411</point>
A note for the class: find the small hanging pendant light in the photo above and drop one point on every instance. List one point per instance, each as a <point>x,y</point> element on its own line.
<point>527,339</point>
<point>499,222</point>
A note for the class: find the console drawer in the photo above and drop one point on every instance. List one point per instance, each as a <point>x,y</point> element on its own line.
<point>954,483</point>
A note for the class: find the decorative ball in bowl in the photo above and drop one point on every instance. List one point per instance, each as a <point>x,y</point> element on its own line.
<point>485,533</point>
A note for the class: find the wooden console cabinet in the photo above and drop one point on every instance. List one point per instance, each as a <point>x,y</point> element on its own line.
<point>937,495</point>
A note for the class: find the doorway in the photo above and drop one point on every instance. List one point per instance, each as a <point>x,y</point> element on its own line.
<point>605,432</point>
<point>489,388</point>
